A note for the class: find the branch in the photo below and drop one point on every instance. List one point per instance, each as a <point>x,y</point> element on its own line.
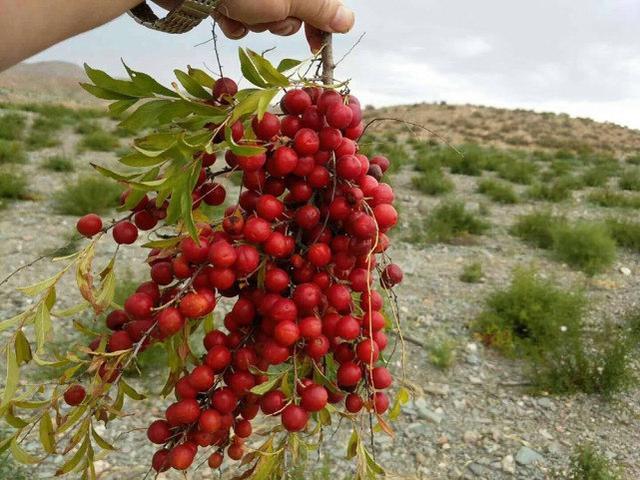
<point>328,65</point>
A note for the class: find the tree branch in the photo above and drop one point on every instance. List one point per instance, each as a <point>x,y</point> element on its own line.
<point>328,64</point>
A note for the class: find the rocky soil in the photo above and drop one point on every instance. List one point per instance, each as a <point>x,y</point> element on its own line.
<point>475,421</point>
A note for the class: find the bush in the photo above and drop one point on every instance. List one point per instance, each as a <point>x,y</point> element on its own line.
<point>555,191</point>
<point>588,464</point>
<point>90,194</point>
<point>584,245</point>
<point>625,233</point>
<point>44,133</point>
<point>12,152</point>
<point>442,352</point>
<point>58,163</point>
<point>99,141</point>
<point>530,314</point>
<point>595,177</point>
<point>520,171</point>
<point>12,126</point>
<point>85,127</point>
<point>432,183</point>
<point>450,220</point>
<point>536,228</point>
<point>12,186</point>
<point>471,273</point>
<point>497,191</point>
<point>609,198</point>
<point>630,180</point>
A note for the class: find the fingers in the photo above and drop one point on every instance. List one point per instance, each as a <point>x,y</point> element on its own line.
<point>314,37</point>
<point>326,15</point>
<point>231,28</point>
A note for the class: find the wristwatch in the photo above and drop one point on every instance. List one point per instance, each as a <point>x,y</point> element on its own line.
<point>179,20</point>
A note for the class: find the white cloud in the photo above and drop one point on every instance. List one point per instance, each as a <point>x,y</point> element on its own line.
<point>470,47</point>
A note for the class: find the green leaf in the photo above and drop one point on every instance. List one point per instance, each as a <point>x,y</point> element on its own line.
<point>13,420</point>
<point>146,115</point>
<point>155,144</point>
<point>352,446</point>
<point>200,76</point>
<point>287,64</point>
<point>73,418</point>
<point>242,150</point>
<point>105,94</point>
<point>121,106</point>
<point>23,348</point>
<point>41,286</point>
<point>47,437</point>
<point>102,443</point>
<point>22,455</point>
<point>13,376</point>
<point>164,243</point>
<point>137,159</point>
<point>129,391</point>
<point>74,461</point>
<point>402,397</point>
<point>191,86</point>
<point>249,70</point>
<point>268,385</point>
<point>13,321</point>
<point>148,84</point>
<point>256,102</point>
<point>106,82</point>
<point>43,326</point>
<point>268,71</point>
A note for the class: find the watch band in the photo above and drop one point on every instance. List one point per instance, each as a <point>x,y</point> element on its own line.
<point>179,20</point>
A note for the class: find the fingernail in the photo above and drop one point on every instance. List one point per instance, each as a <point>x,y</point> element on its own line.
<point>239,32</point>
<point>343,20</point>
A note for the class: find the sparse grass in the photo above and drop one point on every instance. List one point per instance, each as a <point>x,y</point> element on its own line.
<point>472,273</point>
<point>536,228</point>
<point>441,351</point>
<point>535,320</point>
<point>521,171</point>
<point>12,152</point>
<point>435,182</point>
<point>69,247</point>
<point>589,464</point>
<point>630,180</point>
<point>89,194</point>
<point>99,141</point>
<point>554,191</point>
<point>12,186</point>
<point>44,133</point>
<point>611,199</point>
<point>625,233</point>
<point>448,221</point>
<point>587,246</point>
<point>58,163</point>
<point>595,177</point>
<point>498,191</point>
<point>12,126</point>
<point>84,127</point>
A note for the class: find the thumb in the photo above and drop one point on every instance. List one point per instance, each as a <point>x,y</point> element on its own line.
<point>326,15</point>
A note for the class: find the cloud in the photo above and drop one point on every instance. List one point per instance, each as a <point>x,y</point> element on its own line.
<point>470,47</point>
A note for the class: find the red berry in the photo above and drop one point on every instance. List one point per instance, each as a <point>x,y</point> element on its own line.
<point>145,220</point>
<point>339,115</point>
<point>314,398</point>
<point>353,403</point>
<point>349,374</point>
<point>119,341</point>
<point>286,333</point>
<point>194,252</point>
<point>310,327</point>
<point>368,351</point>
<point>160,461</point>
<point>272,402</point>
<point>215,460</point>
<point>210,421</point>
<point>116,319</point>
<point>295,102</point>
<point>183,412</point>
<point>380,402</point>
<point>202,378</point>
<point>306,142</point>
<point>243,429</point>
<point>269,207</point>
<point>74,395</point>
<point>125,232</point>
<point>224,400</point>
<point>294,418</point>
<point>256,230</point>
<point>348,167</point>
<point>283,161</point>
<point>224,87</point>
<point>89,225</point>
<point>170,321</point>
<point>266,128</point>
<point>218,358</point>
<point>159,432</point>
<point>392,275</point>
<point>181,457</point>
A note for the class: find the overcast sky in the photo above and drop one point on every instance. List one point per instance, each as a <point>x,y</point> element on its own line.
<point>576,56</point>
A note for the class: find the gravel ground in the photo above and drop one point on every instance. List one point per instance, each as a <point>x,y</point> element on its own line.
<point>475,420</point>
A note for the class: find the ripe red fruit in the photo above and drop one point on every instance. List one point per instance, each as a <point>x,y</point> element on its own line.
<point>194,252</point>
<point>266,128</point>
<point>159,432</point>
<point>386,216</point>
<point>224,400</point>
<point>74,395</point>
<point>145,220</point>
<point>181,457</point>
<point>392,275</point>
<point>286,333</point>
<point>184,389</point>
<point>353,403</point>
<point>202,378</point>
<point>160,461</point>
<point>170,321</point>
<point>319,254</point>
<point>382,162</point>
<point>119,341</point>
<point>222,254</point>
<point>307,296</point>
<point>310,327</point>
<point>290,125</point>
<point>248,259</point>
<point>235,451</point>
<point>272,402</point>
<point>125,232</point>
<point>210,421</point>
<point>224,87</point>
<point>381,378</point>
<point>348,167</point>
<point>195,305</point>
<point>252,162</point>
<point>295,102</point>
<point>380,402</point>
<point>89,225</point>
<point>349,374</point>
<point>256,230</point>
<point>314,398</point>
<point>327,99</point>
<point>367,351</point>
<point>339,297</point>
<point>306,142</point>
<point>183,412</point>
<point>162,273</point>
<point>339,115</point>
<point>116,320</point>
<point>294,418</point>
<point>218,358</point>
<point>307,216</point>
<point>269,207</point>
<point>330,138</point>
<point>348,328</point>
<point>243,429</point>
<point>283,161</point>
<point>317,347</point>
<point>213,193</point>
<point>215,460</point>
<point>276,280</point>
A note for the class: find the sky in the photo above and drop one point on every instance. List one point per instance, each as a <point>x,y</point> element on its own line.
<point>581,57</point>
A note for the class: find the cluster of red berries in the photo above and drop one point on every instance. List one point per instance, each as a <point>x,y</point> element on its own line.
<point>299,254</point>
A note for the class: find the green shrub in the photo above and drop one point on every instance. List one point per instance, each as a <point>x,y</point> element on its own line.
<point>633,159</point>
<point>12,152</point>
<point>536,228</point>
<point>530,314</point>
<point>12,186</point>
<point>554,190</point>
<point>589,464</point>
<point>99,141</point>
<point>609,198</point>
<point>448,221</point>
<point>520,171</point>
<point>625,233</point>
<point>84,127</point>
<point>12,126</point>
<point>471,273</point>
<point>432,183</point>
<point>497,191</point>
<point>595,177</point>
<point>58,163</point>
<point>90,194</point>
<point>587,246</point>
<point>442,352</point>
<point>630,180</point>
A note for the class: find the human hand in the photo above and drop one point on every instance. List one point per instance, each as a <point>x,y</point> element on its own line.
<point>281,17</point>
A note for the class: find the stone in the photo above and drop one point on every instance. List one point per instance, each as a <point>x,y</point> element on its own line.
<point>508,464</point>
<point>546,403</point>
<point>527,456</point>
<point>625,271</point>
<point>437,389</point>
<point>471,436</point>
<point>425,413</point>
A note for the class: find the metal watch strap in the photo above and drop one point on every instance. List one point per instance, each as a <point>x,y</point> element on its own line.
<point>179,20</point>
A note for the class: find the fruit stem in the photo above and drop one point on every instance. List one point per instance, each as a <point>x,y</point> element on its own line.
<point>328,65</point>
